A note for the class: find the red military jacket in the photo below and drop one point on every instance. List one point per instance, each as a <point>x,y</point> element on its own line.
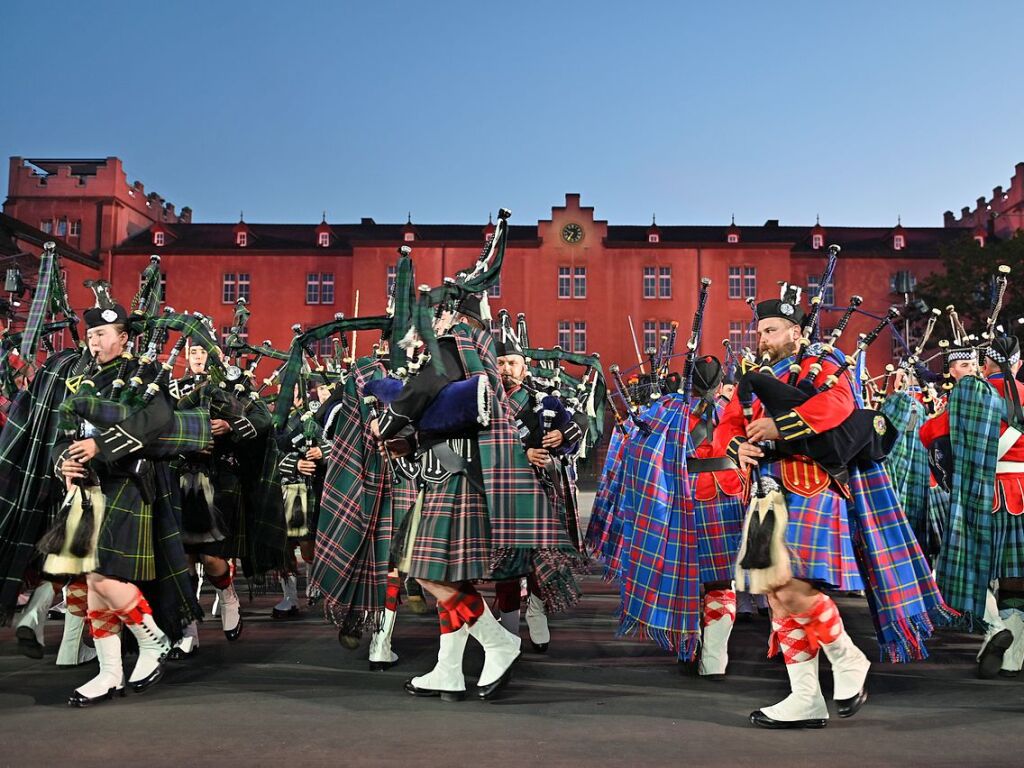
<point>821,412</point>
<point>728,482</point>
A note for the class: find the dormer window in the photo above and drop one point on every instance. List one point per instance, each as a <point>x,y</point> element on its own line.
<point>980,240</point>
<point>242,239</point>
<point>654,238</point>
<point>899,242</point>
<point>158,238</point>
<point>409,237</point>
<point>324,239</point>
<point>733,239</point>
<point>817,241</point>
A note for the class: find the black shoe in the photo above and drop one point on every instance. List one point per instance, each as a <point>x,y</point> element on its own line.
<point>484,692</point>
<point>991,658</point>
<point>539,647</point>
<point>689,668</point>
<point>291,613</point>
<point>234,634</point>
<point>1009,673</point>
<point>30,647</point>
<point>78,700</point>
<point>850,707</point>
<point>426,692</point>
<point>762,720</point>
<point>141,686</point>
<point>381,666</point>
<point>715,678</point>
<point>177,654</point>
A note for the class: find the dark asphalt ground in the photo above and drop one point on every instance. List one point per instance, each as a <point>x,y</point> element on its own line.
<point>287,693</point>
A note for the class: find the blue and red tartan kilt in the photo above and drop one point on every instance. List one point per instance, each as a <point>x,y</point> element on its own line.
<point>719,529</point>
<point>818,537</point>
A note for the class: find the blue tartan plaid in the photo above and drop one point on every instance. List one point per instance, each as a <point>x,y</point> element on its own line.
<point>719,530</point>
<point>907,462</point>
<point>901,590</point>
<point>661,574</point>
<point>604,533</point>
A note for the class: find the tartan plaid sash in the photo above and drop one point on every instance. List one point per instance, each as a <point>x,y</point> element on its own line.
<point>907,462</point>
<point>661,564</point>
<point>28,489</point>
<point>604,533</point>
<point>965,564</point>
<point>522,520</point>
<point>902,594</point>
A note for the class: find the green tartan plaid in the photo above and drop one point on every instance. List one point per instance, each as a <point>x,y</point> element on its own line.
<point>907,462</point>
<point>29,491</point>
<point>359,511</point>
<point>964,567</point>
<point>526,532</point>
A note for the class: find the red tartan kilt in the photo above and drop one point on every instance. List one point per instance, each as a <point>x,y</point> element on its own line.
<point>817,535</point>
<point>719,529</point>
<point>1009,494</point>
<point>453,542</point>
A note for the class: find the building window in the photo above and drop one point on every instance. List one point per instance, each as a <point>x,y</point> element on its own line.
<point>494,291</point>
<point>312,287</point>
<point>76,229</point>
<point>817,241</point>
<point>579,336</point>
<point>242,239</point>
<point>899,243</point>
<point>324,239</point>
<point>46,226</point>
<point>750,282</point>
<point>735,282</point>
<point>235,286</point>
<point>828,297</point>
<point>565,334</point>
<point>326,287</point>
<point>392,274</point>
<point>650,282</point>
<point>733,239</point>
<point>410,236</point>
<point>653,238</point>
<point>736,334</point>
<point>62,228</point>
<point>225,333</point>
<point>903,281</point>
<point>564,282</point>
<point>579,282</point>
<point>650,334</point>
<point>665,282</point>
<point>158,238</point>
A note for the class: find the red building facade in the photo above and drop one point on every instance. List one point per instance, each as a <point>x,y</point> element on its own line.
<point>578,278</point>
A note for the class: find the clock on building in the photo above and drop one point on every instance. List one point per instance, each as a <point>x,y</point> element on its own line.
<point>572,233</point>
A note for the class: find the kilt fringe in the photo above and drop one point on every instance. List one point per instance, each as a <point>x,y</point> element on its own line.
<point>683,643</point>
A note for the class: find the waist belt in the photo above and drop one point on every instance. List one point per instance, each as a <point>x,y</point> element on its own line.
<point>716,464</point>
<point>1010,467</point>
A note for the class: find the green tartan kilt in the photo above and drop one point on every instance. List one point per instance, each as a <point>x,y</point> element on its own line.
<point>450,539</point>
<point>124,548</point>
<point>1008,543</point>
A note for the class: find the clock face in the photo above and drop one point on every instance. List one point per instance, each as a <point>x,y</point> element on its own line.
<point>572,233</point>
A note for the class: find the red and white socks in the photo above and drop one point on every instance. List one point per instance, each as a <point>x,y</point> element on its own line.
<point>230,605</point>
<point>73,650</point>
<point>153,643</point>
<point>849,664</point>
<point>719,619</point>
<point>106,633</point>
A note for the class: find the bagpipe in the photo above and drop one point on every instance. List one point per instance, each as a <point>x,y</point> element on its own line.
<point>864,436</point>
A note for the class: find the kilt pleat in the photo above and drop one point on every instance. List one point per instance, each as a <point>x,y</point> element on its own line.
<point>719,528</point>
<point>1007,543</point>
<point>818,538</point>
<point>453,539</point>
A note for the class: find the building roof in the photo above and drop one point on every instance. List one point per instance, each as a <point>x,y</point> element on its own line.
<point>203,238</point>
<point>12,230</point>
